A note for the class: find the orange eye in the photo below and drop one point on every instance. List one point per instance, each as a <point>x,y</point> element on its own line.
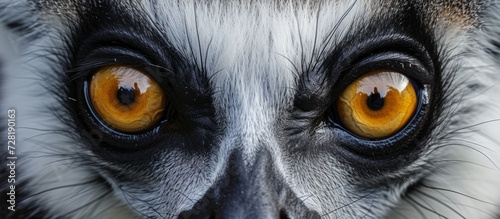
<point>378,104</point>
<point>126,99</point>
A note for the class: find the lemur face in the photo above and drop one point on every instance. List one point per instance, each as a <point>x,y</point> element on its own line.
<point>259,109</point>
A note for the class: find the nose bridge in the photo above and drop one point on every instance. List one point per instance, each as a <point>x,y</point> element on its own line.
<point>249,185</point>
<point>250,110</point>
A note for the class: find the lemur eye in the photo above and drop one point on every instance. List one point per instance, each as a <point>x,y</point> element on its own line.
<point>126,99</point>
<point>378,104</point>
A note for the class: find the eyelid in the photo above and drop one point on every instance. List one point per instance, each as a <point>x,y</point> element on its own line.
<point>106,56</point>
<point>402,62</point>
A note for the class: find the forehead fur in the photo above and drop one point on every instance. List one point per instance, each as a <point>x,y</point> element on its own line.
<point>455,12</point>
<point>461,11</point>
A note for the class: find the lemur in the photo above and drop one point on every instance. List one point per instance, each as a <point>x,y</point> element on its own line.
<point>250,109</point>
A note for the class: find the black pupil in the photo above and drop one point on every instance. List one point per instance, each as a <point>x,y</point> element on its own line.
<point>375,101</point>
<point>126,96</point>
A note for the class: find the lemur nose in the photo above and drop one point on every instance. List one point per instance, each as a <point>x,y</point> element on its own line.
<point>250,192</point>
